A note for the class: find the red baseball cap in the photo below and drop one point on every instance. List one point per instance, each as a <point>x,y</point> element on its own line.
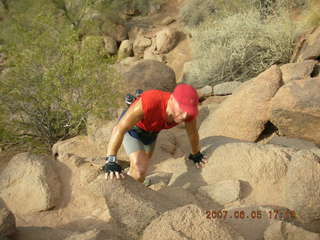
<point>187,97</point>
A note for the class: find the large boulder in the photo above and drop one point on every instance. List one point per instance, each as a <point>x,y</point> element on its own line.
<point>244,114</point>
<point>284,230</point>
<point>30,184</point>
<point>301,188</point>
<point>297,71</point>
<point>295,109</point>
<point>250,162</point>
<point>7,221</point>
<point>166,40</point>
<point>149,74</point>
<point>130,202</point>
<point>188,222</point>
<point>309,47</point>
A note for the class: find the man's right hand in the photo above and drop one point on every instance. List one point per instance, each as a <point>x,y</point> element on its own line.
<point>112,168</point>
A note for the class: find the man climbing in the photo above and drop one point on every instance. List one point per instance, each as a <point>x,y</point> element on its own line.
<point>138,129</point>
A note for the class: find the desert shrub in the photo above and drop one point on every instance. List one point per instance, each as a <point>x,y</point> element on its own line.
<point>239,47</point>
<point>195,12</point>
<point>52,81</point>
<point>310,16</point>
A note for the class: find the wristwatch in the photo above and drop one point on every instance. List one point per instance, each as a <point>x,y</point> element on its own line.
<point>111,158</point>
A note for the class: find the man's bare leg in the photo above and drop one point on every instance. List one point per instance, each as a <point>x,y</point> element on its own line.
<point>139,163</point>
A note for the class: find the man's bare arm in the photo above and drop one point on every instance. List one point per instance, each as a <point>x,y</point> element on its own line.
<point>130,118</point>
<point>192,131</point>
<point>197,157</point>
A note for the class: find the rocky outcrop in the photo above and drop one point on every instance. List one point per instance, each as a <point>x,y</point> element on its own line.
<point>297,71</point>
<point>244,114</point>
<point>188,222</point>
<point>166,40</point>
<point>130,202</point>
<point>30,184</point>
<point>140,44</point>
<point>309,48</point>
<point>295,109</point>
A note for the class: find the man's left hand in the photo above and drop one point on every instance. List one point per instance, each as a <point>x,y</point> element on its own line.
<point>199,159</point>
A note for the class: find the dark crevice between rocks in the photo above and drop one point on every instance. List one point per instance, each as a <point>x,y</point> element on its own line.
<point>269,129</point>
<point>316,70</point>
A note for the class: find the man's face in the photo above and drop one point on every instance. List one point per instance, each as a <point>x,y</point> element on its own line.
<point>178,114</point>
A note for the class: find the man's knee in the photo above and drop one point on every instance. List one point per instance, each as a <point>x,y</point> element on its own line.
<point>139,165</point>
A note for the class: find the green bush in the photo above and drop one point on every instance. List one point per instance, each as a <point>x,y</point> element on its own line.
<point>52,81</point>
<point>239,47</point>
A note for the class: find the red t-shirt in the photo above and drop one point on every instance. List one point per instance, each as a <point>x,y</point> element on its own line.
<point>154,104</point>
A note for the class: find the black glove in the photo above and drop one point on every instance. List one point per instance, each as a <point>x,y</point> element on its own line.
<point>111,165</point>
<point>196,158</point>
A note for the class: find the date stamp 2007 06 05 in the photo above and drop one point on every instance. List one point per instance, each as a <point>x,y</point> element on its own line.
<point>254,214</point>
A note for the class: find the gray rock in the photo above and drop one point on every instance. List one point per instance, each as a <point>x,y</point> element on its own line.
<point>226,88</point>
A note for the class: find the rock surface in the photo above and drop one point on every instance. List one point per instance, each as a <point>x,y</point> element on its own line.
<point>222,192</point>
<point>282,231</point>
<point>301,188</point>
<point>7,221</point>
<point>297,71</point>
<point>166,40</point>
<point>188,222</point>
<point>295,109</point>
<point>226,88</point>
